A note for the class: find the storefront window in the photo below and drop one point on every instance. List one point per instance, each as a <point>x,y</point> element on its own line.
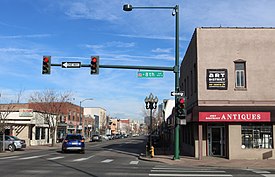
<point>257,136</point>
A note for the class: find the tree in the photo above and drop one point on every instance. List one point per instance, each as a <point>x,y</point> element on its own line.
<point>50,105</point>
<point>5,110</point>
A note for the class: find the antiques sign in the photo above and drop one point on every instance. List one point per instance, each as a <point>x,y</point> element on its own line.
<point>216,79</point>
<point>234,117</point>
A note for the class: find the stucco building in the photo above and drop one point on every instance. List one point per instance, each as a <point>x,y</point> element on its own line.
<point>228,77</point>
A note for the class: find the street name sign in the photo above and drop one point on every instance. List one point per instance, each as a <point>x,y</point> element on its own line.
<point>71,64</point>
<point>150,74</point>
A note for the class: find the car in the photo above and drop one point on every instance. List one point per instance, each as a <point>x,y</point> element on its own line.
<point>73,142</point>
<point>96,138</point>
<point>13,143</point>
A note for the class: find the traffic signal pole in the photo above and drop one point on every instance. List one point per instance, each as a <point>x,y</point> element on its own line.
<point>176,71</point>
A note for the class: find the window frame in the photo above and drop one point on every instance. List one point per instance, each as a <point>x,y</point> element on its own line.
<point>240,75</point>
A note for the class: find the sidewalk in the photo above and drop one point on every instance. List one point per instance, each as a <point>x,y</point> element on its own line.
<point>212,162</point>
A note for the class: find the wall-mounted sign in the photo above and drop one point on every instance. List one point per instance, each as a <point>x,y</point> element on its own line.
<point>25,112</point>
<point>216,79</point>
<point>234,116</point>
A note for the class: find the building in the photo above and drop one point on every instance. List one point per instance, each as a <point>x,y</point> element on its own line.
<point>100,118</point>
<point>27,124</point>
<point>228,77</point>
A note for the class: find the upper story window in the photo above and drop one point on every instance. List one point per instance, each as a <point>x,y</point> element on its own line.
<point>240,74</point>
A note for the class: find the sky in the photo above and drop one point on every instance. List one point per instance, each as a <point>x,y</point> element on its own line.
<point>75,30</point>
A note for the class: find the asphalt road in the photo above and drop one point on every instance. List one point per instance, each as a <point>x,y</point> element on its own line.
<point>108,158</point>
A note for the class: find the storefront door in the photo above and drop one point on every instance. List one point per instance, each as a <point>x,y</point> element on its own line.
<point>216,140</point>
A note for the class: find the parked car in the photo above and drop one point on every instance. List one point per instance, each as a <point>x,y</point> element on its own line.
<point>110,137</point>
<point>73,142</point>
<point>104,137</point>
<point>96,138</point>
<point>13,143</point>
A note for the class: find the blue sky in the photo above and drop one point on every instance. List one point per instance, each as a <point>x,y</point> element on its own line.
<point>74,30</point>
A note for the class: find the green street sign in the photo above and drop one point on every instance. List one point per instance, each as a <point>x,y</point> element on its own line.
<point>150,74</point>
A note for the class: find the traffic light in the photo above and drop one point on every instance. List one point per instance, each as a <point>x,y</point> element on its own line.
<point>94,64</point>
<point>181,111</point>
<point>46,67</point>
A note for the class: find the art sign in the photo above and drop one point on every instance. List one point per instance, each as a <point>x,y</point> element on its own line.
<point>216,79</point>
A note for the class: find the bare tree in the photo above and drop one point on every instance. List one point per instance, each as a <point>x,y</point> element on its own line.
<point>5,110</point>
<point>50,105</point>
<point>103,125</point>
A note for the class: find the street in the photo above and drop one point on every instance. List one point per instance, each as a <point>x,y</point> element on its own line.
<point>108,158</point>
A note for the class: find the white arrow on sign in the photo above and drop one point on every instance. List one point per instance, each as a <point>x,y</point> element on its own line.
<point>71,64</point>
<point>177,93</point>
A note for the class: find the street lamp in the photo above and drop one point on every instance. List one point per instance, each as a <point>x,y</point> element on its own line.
<point>128,7</point>
<point>80,115</point>
<point>151,103</point>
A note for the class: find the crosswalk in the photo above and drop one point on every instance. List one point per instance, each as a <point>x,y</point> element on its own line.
<point>264,173</point>
<point>178,171</point>
<point>70,159</point>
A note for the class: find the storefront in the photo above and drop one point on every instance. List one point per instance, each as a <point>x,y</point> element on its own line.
<point>230,134</point>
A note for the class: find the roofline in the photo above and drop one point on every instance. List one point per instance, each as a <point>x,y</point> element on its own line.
<point>221,27</point>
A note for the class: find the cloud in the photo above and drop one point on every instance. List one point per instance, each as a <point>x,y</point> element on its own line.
<point>159,50</point>
<point>92,10</point>
<point>26,36</point>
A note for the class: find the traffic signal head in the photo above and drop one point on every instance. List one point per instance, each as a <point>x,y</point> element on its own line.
<point>46,66</point>
<point>181,111</point>
<point>94,64</point>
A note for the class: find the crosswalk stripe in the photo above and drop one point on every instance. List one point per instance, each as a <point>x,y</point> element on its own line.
<point>107,161</point>
<point>268,175</point>
<point>82,159</point>
<point>188,171</point>
<point>32,157</point>
<point>134,162</point>
<point>176,175</point>
<point>55,158</point>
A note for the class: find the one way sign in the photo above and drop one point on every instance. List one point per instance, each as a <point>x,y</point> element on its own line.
<point>71,64</point>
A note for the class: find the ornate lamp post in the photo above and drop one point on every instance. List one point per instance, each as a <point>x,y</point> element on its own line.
<point>80,115</point>
<point>151,103</point>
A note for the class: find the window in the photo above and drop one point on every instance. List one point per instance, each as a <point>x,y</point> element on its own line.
<point>240,74</point>
<point>37,133</point>
<point>257,136</point>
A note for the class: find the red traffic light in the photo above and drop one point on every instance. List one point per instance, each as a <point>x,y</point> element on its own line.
<point>46,59</point>
<point>94,59</point>
<point>182,101</point>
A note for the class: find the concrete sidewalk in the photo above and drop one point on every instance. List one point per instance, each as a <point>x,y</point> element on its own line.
<point>212,162</point>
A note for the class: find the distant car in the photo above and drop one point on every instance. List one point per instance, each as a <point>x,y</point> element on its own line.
<point>73,142</point>
<point>13,143</point>
<point>110,137</point>
<point>135,135</point>
<point>96,138</point>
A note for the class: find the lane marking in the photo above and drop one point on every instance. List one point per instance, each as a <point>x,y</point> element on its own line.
<point>107,161</point>
<point>55,158</point>
<point>134,162</point>
<point>11,157</point>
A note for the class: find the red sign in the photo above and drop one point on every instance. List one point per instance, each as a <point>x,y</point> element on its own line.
<point>234,117</point>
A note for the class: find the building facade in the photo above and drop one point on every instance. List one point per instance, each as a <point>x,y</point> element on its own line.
<point>228,77</point>
<point>100,118</point>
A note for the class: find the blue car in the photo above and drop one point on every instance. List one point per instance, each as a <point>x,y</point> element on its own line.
<point>73,142</point>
